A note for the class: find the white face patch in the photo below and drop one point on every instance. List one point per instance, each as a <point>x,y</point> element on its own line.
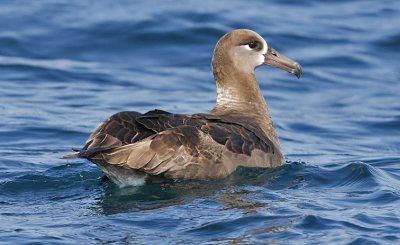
<point>247,47</point>
<point>248,59</point>
<point>265,46</point>
<point>261,58</point>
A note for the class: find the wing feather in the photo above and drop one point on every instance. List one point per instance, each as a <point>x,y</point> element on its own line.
<point>200,146</point>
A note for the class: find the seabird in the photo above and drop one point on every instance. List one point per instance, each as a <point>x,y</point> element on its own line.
<point>133,148</point>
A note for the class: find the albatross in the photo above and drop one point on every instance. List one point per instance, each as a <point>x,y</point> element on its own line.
<point>133,148</point>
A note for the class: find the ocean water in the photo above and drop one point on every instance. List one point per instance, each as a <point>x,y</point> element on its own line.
<point>67,65</point>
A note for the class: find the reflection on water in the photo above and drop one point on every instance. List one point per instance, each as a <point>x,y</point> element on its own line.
<point>228,193</point>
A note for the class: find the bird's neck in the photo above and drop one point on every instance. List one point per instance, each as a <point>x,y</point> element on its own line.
<point>238,94</point>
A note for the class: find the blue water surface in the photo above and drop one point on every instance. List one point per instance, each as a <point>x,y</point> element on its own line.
<point>67,65</point>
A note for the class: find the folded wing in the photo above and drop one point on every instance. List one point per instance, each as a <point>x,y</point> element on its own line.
<point>199,146</point>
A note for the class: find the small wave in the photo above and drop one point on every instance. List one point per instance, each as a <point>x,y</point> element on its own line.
<point>60,180</point>
<point>41,134</point>
<point>390,43</point>
<point>13,44</point>
<point>358,175</point>
<point>387,125</point>
<point>57,64</point>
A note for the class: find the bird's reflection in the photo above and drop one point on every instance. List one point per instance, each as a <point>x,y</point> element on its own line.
<point>231,193</point>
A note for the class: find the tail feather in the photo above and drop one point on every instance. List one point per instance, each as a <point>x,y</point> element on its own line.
<point>85,153</point>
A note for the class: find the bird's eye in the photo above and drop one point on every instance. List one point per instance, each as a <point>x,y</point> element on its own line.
<point>253,45</point>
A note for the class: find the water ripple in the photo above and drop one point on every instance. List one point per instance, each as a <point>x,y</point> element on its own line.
<point>68,65</point>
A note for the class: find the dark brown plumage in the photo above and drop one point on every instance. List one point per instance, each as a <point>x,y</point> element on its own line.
<point>132,147</point>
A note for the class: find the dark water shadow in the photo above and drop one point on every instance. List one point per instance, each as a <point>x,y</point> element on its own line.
<point>228,193</point>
